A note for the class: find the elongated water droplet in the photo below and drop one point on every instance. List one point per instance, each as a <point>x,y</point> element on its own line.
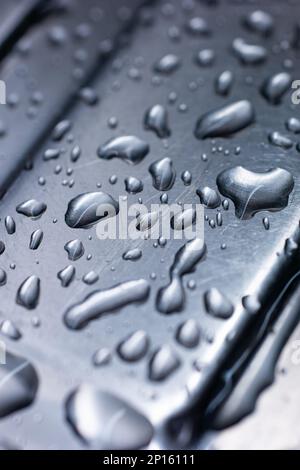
<point>132,255</point>
<point>61,129</point>
<point>134,347</point>
<point>226,120</point>
<point>31,208</point>
<point>252,192</point>
<point>90,278</point>
<point>163,363</point>
<point>147,221</point>
<point>163,174</point>
<point>249,54</point>
<point>75,249</point>
<point>224,83</point>
<point>36,239</point>
<point>51,154</point>
<point>3,277</point>
<point>280,140</point>
<point>156,119</point>
<point>10,225</point>
<point>102,302</point>
<point>171,298</point>
<point>104,421</point>
<point>29,292</point>
<point>88,208</point>
<point>128,148</point>
<point>217,304</point>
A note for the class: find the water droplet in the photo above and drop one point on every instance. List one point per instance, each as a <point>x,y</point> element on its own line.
<point>9,329</point>
<point>260,22</point>
<point>251,304</point>
<point>132,255</point>
<point>102,302</point>
<point>133,185</point>
<point>29,292</point>
<point>51,154</point>
<point>3,277</point>
<point>75,153</point>
<point>217,304</point>
<point>19,384</point>
<point>183,219</point>
<point>266,223</point>
<point>66,275</point>
<point>134,347</point>
<point>88,208</point>
<point>36,239</point>
<point>293,125</point>
<point>156,119</point>
<point>75,249</point>
<point>128,148</point>
<point>163,362</point>
<point>205,57</point>
<point>61,129</point>
<point>171,298</point>
<point>163,174</point>
<point>101,357</point>
<point>209,197</point>
<point>104,421</point>
<point>89,96</point>
<point>147,221</point>
<point>224,83</point>
<point>10,225</point>
<point>90,278</point>
<point>280,140</point>
<point>167,64</point>
<point>226,120</point>
<point>197,26</point>
<point>249,54</point>
<point>31,208</point>
<point>276,86</point>
<point>252,192</point>
<point>186,177</point>
<point>188,334</point>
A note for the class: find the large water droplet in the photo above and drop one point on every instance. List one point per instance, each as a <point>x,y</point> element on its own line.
<point>280,140</point>
<point>128,148</point>
<point>31,208</point>
<point>188,334</point>
<point>132,255</point>
<point>88,208</point>
<point>19,384</point>
<point>36,239</point>
<point>226,120</point>
<point>102,302</point>
<point>259,21</point>
<point>252,192</point>
<point>133,185</point>
<point>10,225</point>
<point>104,421</point>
